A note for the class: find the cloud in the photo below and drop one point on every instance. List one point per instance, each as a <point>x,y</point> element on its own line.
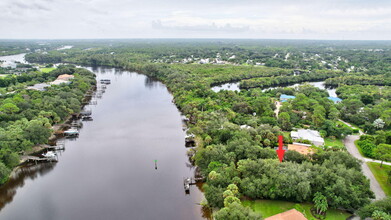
<point>33,6</point>
<point>323,19</point>
<point>203,27</point>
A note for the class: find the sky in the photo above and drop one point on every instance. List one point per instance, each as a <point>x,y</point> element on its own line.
<point>254,19</point>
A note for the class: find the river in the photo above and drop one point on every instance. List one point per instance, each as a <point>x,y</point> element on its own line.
<point>9,61</point>
<point>109,171</point>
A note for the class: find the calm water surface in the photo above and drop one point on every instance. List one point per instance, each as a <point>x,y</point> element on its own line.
<point>9,61</point>
<point>235,87</point>
<point>109,171</point>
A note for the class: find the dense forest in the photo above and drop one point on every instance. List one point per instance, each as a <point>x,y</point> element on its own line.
<point>27,115</point>
<point>236,132</point>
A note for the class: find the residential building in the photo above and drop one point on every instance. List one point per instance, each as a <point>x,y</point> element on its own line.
<point>308,134</point>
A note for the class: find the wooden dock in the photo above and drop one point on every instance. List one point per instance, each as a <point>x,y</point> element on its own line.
<point>34,159</point>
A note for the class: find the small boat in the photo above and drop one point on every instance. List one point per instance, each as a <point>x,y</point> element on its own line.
<point>105,81</point>
<point>186,184</point>
<point>189,140</point>
<point>71,132</point>
<point>76,124</point>
<point>49,154</point>
<point>87,118</point>
<point>86,113</point>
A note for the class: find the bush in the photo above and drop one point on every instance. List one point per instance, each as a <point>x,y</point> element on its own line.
<point>383,205</point>
<point>367,147</point>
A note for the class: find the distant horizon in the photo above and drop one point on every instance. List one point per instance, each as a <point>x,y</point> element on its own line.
<point>246,19</point>
<point>172,38</point>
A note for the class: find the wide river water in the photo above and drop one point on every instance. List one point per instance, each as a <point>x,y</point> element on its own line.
<point>109,171</point>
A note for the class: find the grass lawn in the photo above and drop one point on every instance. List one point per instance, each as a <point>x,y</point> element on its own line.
<point>268,208</point>
<point>381,176</point>
<point>46,70</point>
<point>334,142</point>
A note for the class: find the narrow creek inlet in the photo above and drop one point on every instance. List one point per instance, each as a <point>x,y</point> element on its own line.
<point>109,171</point>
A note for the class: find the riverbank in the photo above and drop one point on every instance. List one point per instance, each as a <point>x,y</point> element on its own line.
<point>57,131</point>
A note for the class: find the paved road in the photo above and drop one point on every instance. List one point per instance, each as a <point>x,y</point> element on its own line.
<point>351,147</point>
<point>376,161</point>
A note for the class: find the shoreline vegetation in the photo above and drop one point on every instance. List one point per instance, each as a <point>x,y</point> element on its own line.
<point>38,117</point>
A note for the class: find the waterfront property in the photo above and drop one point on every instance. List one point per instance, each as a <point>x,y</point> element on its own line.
<point>308,134</point>
<point>61,79</point>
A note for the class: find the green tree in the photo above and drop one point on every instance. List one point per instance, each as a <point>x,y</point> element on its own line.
<point>36,132</point>
<point>380,215</point>
<point>4,173</point>
<point>334,113</point>
<point>367,147</point>
<point>379,123</point>
<point>9,108</point>
<point>383,153</point>
<point>230,199</point>
<point>383,205</point>
<point>318,118</point>
<point>320,203</point>
<point>285,121</point>
<point>236,211</point>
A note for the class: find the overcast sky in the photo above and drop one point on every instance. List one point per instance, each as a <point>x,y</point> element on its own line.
<point>280,19</point>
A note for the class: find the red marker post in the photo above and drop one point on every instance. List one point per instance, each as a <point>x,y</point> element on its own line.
<point>280,150</point>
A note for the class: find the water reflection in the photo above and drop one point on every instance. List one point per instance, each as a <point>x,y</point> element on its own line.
<point>18,179</point>
<point>12,60</point>
<point>151,83</point>
<point>227,86</point>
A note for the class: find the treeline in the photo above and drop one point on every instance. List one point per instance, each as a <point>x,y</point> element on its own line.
<point>367,106</point>
<point>35,76</point>
<point>378,80</point>
<point>266,82</point>
<point>306,55</point>
<point>368,94</point>
<point>26,116</point>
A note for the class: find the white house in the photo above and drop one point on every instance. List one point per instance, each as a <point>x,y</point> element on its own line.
<point>308,134</point>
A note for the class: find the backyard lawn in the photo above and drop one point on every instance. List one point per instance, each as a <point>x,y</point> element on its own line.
<point>381,175</point>
<point>46,70</point>
<point>337,143</point>
<point>268,208</point>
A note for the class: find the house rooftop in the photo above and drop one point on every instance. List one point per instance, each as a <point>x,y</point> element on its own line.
<point>39,86</point>
<point>292,214</point>
<point>65,77</point>
<point>307,134</point>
